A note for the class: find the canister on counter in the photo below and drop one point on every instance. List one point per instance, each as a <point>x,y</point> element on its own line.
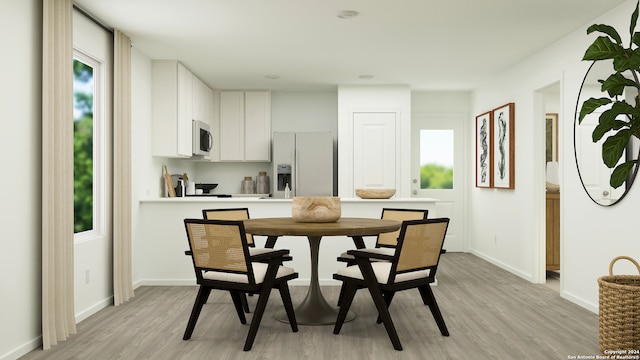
<point>248,186</point>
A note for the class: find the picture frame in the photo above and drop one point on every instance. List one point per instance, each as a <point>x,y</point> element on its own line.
<point>504,146</point>
<point>484,150</point>
<point>551,135</point>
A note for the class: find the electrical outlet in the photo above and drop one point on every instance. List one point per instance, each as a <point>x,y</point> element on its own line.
<point>87,276</point>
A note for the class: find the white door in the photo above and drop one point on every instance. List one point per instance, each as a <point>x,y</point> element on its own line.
<point>439,170</point>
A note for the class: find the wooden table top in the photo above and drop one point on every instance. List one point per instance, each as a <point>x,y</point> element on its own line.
<point>342,227</point>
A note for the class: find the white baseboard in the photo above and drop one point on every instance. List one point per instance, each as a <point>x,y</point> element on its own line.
<point>23,349</point>
<point>502,265</point>
<point>579,301</point>
<point>94,309</point>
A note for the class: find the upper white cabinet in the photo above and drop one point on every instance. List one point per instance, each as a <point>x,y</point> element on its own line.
<point>172,109</point>
<point>178,97</point>
<point>245,126</point>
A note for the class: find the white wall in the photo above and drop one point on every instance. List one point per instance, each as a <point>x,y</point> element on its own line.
<point>20,158</point>
<point>511,238</point>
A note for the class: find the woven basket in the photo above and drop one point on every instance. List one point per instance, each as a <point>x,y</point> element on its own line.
<point>619,310</point>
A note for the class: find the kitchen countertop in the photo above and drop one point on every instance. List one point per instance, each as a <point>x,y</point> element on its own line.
<point>246,198</point>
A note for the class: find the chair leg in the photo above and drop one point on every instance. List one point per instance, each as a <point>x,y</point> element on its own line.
<point>429,299</point>
<point>271,242</point>
<point>288,305</point>
<point>201,299</point>
<point>388,296</point>
<point>245,303</point>
<point>237,302</point>
<point>257,316</point>
<point>381,305</point>
<point>347,298</point>
<point>342,288</point>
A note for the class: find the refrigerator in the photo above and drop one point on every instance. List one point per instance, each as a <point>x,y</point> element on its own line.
<point>304,162</point>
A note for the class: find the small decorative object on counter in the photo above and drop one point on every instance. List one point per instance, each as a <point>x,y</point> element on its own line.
<point>316,209</point>
<point>287,191</point>
<point>375,193</point>
<point>262,183</point>
<point>248,186</point>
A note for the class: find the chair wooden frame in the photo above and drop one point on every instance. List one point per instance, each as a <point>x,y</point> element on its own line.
<point>218,267</point>
<point>414,265</point>
<point>385,242</point>
<point>239,214</point>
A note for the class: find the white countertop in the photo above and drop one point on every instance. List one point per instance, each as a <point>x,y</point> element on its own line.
<point>248,198</point>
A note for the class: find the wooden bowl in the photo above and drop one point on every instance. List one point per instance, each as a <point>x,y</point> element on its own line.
<point>375,193</point>
<point>316,209</point>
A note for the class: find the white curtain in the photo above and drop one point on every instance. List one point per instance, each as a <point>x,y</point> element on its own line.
<point>122,278</point>
<point>58,320</point>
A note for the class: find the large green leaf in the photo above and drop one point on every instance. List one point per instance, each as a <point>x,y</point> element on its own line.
<point>620,174</point>
<point>603,48</point>
<point>591,105</point>
<point>634,20</point>
<point>635,39</point>
<point>614,147</point>
<point>604,127</point>
<point>606,29</point>
<point>627,60</point>
<point>616,83</point>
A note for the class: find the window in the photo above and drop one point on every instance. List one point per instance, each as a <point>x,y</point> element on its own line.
<point>87,162</point>
<point>436,159</point>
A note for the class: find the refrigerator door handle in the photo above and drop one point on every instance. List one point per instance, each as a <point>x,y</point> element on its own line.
<point>294,190</point>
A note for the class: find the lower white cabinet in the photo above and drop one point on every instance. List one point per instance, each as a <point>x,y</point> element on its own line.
<point>245,126</point>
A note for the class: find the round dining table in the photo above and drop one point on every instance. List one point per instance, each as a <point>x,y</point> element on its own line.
<point>314,309</point>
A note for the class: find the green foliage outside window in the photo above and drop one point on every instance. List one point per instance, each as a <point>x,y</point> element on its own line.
<point>83,147</point>
<point>434,176</point>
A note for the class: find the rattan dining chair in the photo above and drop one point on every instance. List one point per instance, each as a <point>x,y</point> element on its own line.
<point>221,260</point>
<point>413,265</point>
<point>239,214</point>
<point>385,242</point>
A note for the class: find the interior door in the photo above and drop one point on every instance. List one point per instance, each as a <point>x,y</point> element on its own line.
<point>438,170</point>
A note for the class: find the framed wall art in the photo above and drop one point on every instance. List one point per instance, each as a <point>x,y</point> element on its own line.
<point>552,137</point>
<point>484,164</point>
<point>504,146</point>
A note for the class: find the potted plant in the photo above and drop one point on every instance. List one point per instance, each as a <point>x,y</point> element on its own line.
<point>621,121</point>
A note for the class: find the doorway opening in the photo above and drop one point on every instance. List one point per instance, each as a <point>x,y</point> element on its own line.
<point>551,224</point>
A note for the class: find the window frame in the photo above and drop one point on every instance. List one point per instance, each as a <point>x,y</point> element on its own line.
<point>99,141</point>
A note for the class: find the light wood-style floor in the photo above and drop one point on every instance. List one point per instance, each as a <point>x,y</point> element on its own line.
<point>490,313</point>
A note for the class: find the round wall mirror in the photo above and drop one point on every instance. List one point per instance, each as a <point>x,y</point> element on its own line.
<point>593,173</point>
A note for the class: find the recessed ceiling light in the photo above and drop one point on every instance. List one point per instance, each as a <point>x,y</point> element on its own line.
<point>347,14</point>
<point>365,77</point>
<point>272,77</point>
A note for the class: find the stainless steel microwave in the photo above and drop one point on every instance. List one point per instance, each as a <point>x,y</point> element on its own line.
<point>202,138</point>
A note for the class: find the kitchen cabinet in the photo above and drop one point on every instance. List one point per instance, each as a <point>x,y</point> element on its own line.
<point>553,231</point>
<point>245,126</point>
<point>178,97</point>
<point>171,109</point>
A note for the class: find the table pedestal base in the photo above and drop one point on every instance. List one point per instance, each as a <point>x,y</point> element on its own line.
<point>314,309</point>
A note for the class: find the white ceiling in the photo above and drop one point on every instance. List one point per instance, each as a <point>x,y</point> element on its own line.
<point>426,44</point>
